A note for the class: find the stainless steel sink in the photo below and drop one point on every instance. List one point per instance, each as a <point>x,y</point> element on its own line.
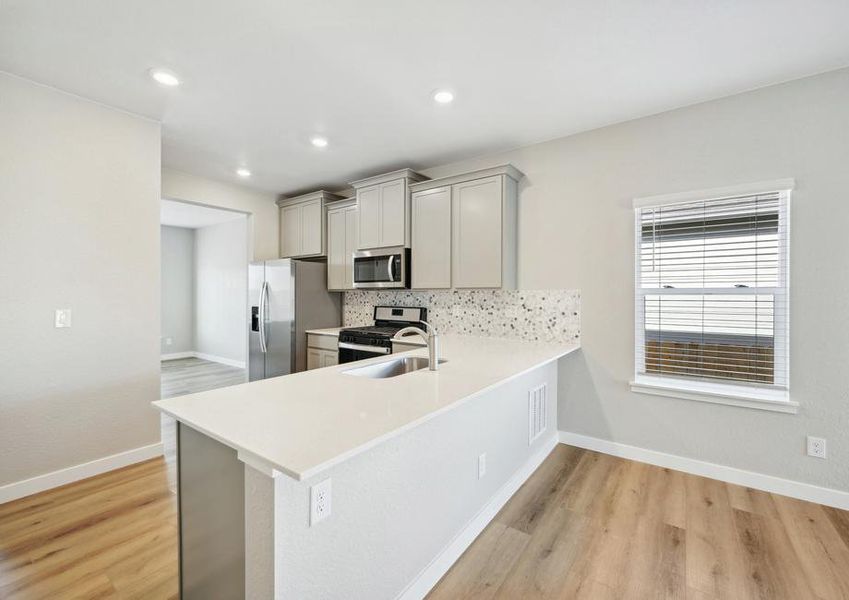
<point>391,368</point>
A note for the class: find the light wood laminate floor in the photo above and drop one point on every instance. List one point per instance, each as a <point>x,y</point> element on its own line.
<point>191,375</point>
<point>585,525</point>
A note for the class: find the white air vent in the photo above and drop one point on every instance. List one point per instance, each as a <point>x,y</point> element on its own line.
<point>537,412</point>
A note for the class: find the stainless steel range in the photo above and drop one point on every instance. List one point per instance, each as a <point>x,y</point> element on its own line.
<point>359,343</point>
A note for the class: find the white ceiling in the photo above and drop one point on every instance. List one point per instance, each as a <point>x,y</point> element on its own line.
<point>261,77</point>
<point>193,216</point>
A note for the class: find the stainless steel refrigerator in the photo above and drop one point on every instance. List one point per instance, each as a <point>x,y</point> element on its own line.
<point>285,298</point>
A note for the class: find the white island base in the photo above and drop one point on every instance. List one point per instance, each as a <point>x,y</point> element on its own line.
<point>402,510</point>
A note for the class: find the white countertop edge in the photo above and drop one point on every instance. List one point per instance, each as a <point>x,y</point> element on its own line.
<point>328,331</point>
<point>268,467</point>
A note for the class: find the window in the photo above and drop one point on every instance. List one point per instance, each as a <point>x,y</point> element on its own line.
<point>711,295</point>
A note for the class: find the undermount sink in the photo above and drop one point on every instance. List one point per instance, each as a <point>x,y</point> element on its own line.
<point>391,368</point>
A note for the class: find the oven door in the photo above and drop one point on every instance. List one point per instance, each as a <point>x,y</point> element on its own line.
<point>384,268</point>
<point>349,352</point>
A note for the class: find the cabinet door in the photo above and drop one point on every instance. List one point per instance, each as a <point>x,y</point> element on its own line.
<point>393,213</point>
<point>431,238</point>
<point>368,205</point>
<point>329,358</point>
<point>290,231</point>
<point>311,228</point>
<point>337,249</point>
<point>477,223</point>
<point>352,242</point>
<point>313,358</point>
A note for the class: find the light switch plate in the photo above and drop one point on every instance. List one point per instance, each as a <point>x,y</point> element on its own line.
<point>62,318</point>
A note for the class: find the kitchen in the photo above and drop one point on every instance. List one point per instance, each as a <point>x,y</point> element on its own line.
<point>336,417</point>
<point>532,300</point>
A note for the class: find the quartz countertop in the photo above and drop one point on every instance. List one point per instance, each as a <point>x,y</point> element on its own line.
<point>334,331</point>
<point>304,423</point>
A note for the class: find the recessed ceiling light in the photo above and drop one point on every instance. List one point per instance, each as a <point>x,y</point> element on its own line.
<point>165,77</point>
<point>243,172</point>
<point>443,96</point>
<point>318,141</point>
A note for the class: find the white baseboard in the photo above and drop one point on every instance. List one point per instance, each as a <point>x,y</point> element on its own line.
<point>20,489</point>
<point>176,355</point>
<point>429,577</point>
<point>758,481</point>
<point>211,357</point>
<point>221,359</point>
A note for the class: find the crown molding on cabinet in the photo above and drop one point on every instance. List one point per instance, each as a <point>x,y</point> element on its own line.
<point>385,177</point>
<point>317,195</point>
<point>508,170</point>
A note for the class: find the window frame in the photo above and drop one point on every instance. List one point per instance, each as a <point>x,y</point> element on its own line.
<point>734,393</point>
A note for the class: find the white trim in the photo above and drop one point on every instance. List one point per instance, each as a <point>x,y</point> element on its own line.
<point>221,359</point>
<point>40,483</point>
<point>777,400</point>
<point>431,574</point>
<point>745,189</point>
<point>201,355</point>
<point>758,481</point>
<point>176,355</point>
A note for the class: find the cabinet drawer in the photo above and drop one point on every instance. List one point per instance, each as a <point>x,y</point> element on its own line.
<point>324,342</point>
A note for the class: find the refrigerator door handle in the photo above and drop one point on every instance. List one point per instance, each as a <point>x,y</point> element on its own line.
<point>263,302</point>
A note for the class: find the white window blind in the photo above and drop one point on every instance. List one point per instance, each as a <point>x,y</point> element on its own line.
<point>711,290</point>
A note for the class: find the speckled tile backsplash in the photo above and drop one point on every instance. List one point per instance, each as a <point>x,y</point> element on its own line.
<point>545,315</point>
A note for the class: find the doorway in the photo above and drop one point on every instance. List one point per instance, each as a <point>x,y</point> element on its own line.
<point>203,323</point>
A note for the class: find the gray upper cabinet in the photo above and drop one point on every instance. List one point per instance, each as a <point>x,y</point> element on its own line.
<point>342,241</point>
<point>383,204</point>
<point>302,224</point>
<point>464,230</point>
<point>431,239</point>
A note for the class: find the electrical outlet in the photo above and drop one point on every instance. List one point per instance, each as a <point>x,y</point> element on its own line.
<point>168,341</point>
<point>62,317</point>
<point>816,447</point>
<point>481,465</point>
<point>319,502</point>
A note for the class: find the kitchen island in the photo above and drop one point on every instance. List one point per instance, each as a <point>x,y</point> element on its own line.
<point>419,463</point>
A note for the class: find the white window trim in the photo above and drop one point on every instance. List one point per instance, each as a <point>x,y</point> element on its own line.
<point>758,397</point>
<point>762,398</point>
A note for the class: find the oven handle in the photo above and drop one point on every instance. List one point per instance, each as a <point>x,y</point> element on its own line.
<point>364,348</point>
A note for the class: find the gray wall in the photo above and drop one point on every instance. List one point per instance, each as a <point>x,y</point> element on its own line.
<point>79,228</point>
<point>576,232</point>
<point>178,289</point>
<point>221,280</point>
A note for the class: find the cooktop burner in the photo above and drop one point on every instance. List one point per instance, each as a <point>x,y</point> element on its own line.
<point>374,330</point>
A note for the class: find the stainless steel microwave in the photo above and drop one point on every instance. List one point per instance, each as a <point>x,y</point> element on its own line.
<point>382,268</point>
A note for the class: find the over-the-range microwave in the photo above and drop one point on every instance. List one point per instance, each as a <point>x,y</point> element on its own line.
<point>382,268</point>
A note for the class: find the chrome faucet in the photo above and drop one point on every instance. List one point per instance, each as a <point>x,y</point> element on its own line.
<point>430,336</point>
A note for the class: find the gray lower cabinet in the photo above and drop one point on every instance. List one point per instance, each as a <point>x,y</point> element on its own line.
<point>322,351</point>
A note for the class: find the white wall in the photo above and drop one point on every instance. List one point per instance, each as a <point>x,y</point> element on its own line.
<point>178,289</point>
<point>221,297</point>
<point>263,220</point>
<point>576,232</point>
<point>79,229</point>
